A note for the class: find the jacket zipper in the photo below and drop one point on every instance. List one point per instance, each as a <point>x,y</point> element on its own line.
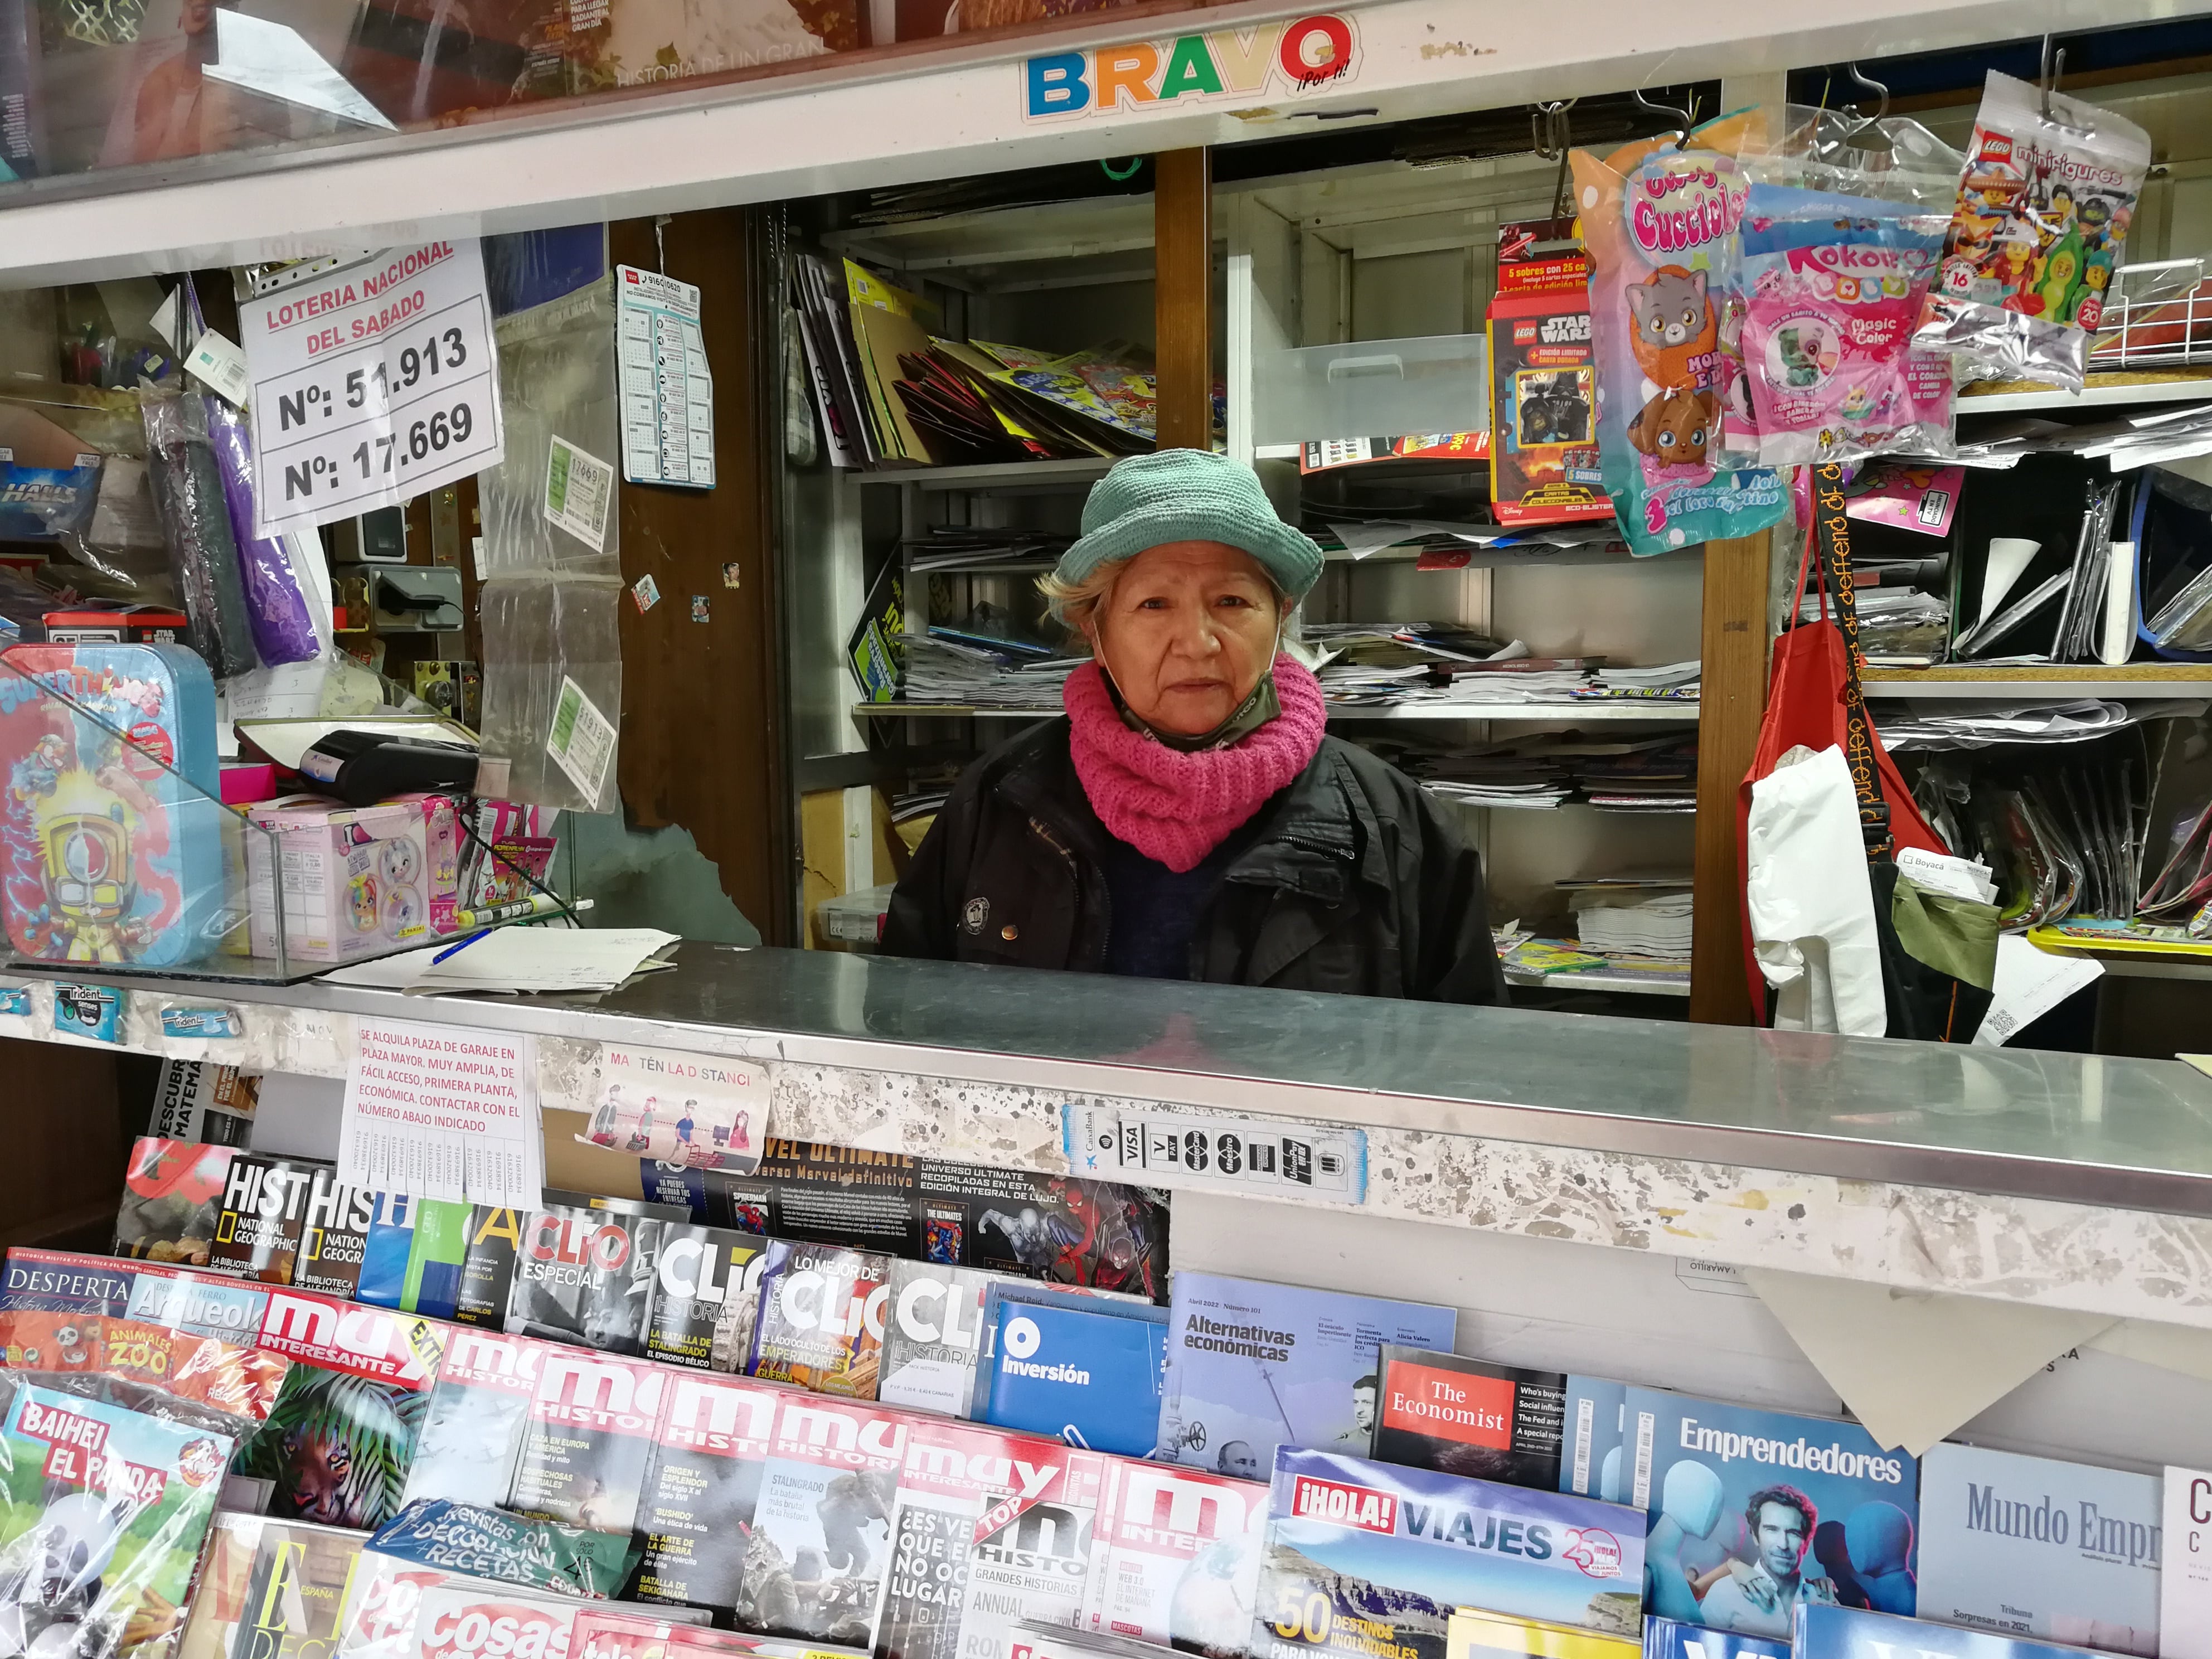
<point>1075,871</point>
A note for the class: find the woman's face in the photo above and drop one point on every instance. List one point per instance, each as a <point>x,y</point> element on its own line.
<point>1186,633</point>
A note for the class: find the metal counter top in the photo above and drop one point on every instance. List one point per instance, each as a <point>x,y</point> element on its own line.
<point>2128,1134</point>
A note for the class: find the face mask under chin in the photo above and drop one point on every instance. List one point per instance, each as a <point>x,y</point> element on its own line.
<point>1258,706</point>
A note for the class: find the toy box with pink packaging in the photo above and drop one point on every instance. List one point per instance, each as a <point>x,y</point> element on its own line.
<point>354,880</point>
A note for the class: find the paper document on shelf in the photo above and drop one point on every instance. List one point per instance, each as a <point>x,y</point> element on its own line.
<point>535,959</point>
<point>443,1112</point>
<point>2030,982</point>
<point>1914,1367</point>
<point>1372,535</point>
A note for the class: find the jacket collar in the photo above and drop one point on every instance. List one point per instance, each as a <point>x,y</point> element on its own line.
<point>1320,836</point>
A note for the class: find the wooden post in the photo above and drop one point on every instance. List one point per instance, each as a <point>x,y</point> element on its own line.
<point>1732,702</point>
<point>1182,297</point>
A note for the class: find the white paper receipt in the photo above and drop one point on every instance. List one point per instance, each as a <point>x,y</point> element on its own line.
<point>443,1112</point>
<point>582,739</point>
<point>579,491</point>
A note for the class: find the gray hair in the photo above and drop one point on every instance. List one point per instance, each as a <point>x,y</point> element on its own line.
<point>1074,604</point>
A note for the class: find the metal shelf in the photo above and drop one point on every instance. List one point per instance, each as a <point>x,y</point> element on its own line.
<point>2140,679</point>
<point>997,475</point>
<point>2104,390</point>
<point>1600,979</point>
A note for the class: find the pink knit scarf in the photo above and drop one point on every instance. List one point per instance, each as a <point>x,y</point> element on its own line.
<point>1176,807</point>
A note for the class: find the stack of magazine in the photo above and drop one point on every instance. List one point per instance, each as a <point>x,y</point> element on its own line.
<point>644,1432</point>
<point>891,394</point>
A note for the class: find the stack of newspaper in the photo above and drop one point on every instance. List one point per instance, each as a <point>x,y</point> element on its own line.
<point>977,671</point>
<point>1637,916</point>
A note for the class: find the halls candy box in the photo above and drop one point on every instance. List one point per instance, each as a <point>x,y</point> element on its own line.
<point>111,833</point>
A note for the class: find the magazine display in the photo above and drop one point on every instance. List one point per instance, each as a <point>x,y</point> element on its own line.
<point>1032,1550</point>
<point>708,1294</point>
<point>1668,1638</point>
<point>1096,1233</point>
<point>333,1241</point>
<point>932,1337</point>
<point>171,1194</point>
<point>1460,1416</point>
<point>1389,1552</point>
<point>269,1589</point>
<point>1475,1635</point>
<point>820,1547</point>
<point>1087,1375</point>
<point>107,1506</point>
<point>1177,1558</point>
<point>478,1420</point>
<point>1253,1366</point>
<point>341,1440</point>
<point>198,1100</point>
<point>257,1230</point>
<point>697,1516</point>
<point>594,1421</point>
<point>1753,1512</point>
<point>1828,1632</point>
<point>1592,1463</point>
<point>2033,1546</point>
<point>2185,1583</point>
<point>821,1319</point>
<point>495,1239</point>
<point>586,1276</point>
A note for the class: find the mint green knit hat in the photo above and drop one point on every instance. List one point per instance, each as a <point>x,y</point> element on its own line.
<point>1187,496</point>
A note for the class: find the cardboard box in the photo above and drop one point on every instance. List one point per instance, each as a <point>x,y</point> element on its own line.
<point>356,881</point>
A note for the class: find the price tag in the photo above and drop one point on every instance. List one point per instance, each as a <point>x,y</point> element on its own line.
<point>372,383</point>
<point>1235,1154</point>
<point>218,363</point>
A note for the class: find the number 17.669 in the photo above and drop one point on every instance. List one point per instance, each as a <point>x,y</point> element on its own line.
<point>433,434</point>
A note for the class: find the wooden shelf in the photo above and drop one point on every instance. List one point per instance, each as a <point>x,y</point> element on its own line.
<point>1962,681</point>
<point>2104,390</point>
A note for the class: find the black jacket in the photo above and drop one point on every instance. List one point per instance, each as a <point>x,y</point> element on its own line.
<point>1353,881</point>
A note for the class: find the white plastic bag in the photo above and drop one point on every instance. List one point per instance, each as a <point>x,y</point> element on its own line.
<point>1810,898</point>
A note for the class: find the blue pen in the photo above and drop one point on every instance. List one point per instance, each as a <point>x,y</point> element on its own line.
<point>455,950</point>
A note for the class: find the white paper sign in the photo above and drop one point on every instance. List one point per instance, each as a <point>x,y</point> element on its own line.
<point>372,383</point>
<point>438,1111</point>
<point>668,395</point>
<point>1282,1156</point>
<point>704,1111</point>
<point>579,487</point>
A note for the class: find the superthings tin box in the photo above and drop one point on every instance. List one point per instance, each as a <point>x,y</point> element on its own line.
<point>108,853</point>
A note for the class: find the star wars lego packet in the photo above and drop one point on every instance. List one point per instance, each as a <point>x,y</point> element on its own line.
<point>2039,225</point>
<point>1659,220</point>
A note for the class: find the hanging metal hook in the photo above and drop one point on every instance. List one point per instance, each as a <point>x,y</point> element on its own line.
<point>1547,127</point>
<point>2054,68</point>
<point>1872,85</point>
<point>1686,118</point>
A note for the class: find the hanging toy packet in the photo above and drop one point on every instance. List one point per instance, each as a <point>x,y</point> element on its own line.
<point>1660,226</point>
<point>1834,286</point>
<point>2041,223</point>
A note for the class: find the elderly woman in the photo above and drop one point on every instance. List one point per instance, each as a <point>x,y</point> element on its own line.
<point>1191,818</point>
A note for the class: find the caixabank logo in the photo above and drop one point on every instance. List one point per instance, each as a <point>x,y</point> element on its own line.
<point>1322,50</point>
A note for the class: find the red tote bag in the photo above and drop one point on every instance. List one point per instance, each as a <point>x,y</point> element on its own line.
<point>1813,698</point>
